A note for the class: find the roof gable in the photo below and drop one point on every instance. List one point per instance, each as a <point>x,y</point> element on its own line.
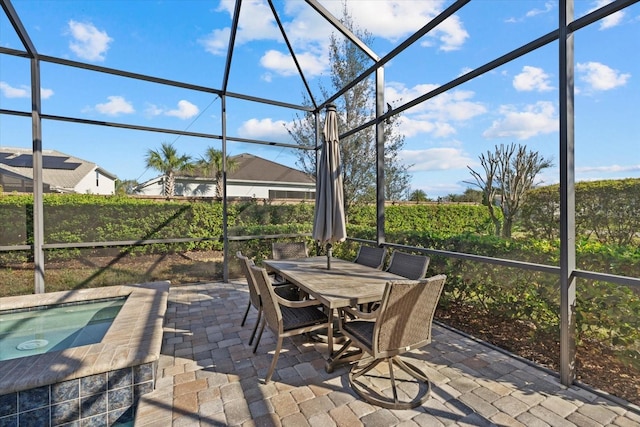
<point>254,168</point>
<point>59,170</point>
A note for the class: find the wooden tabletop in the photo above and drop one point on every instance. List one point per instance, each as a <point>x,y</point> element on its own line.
<point>345,284</point>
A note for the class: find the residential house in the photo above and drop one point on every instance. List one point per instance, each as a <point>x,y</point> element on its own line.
<point>254,177</point>
<point>61,173</point>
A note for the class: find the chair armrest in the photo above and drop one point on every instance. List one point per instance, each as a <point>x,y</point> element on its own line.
<point>297,304</point>
<point>366,315</point>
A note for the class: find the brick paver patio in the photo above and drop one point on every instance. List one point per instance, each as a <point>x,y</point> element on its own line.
<point>208,375</point>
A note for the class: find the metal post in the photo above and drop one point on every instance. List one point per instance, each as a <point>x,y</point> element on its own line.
<point>380,180</point>
<point>38,205</point>
<point>225,236</point>
<point>316,116</point>
<point>567,198</point>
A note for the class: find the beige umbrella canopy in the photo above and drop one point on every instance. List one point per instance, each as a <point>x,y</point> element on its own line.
<point>329,222</point>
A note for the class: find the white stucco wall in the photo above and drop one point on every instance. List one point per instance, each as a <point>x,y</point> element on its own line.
<point>88,184</point>
<point>234,189</point>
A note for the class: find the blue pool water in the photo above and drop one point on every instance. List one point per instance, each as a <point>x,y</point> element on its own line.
<point>54,328</point>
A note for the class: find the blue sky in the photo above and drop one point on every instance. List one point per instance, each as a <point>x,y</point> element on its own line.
<point>187,41</point>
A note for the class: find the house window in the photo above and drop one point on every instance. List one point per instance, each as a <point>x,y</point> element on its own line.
<point>284,194</point>
<point>97,178</point>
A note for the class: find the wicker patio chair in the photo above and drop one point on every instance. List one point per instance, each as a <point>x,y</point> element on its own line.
<point>254,294</point>
<point>402,323</point>
<point>285,318</point>
<point>371,256</point>
<point>286,250</point>
<point>411,266</point>
<point>284,291</point>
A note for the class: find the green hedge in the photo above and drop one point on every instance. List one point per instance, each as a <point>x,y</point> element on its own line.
<point>88,218</point>
<point>443,218</point>
<point>607,211</point>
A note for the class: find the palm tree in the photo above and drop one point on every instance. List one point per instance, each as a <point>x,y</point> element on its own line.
<point>127,186</point>
<point>211,165</point>
<point>418,196</point>
<point>167,161</point>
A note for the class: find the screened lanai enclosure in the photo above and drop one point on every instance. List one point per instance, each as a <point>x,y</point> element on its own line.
<point>423,90</point>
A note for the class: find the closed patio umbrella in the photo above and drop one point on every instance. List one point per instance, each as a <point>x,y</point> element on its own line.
<point>329,222</point>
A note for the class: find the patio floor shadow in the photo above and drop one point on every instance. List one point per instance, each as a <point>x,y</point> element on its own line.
<point>208,376</point>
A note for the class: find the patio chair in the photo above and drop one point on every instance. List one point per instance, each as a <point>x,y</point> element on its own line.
<point>371,256</point>
<point>285,318</point>
<point>402,323</point>
<point>411,266</point>
<point>254,295</point>
<point>286,250</point>
<point>285,291</point>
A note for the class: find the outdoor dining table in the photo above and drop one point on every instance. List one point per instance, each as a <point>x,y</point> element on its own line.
<point>346,284</point>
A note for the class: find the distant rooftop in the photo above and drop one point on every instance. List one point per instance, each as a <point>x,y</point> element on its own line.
<point>59,170</point>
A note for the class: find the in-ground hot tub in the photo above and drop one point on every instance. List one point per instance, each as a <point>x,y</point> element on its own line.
<point>44,329</point>
<point>99,382</point>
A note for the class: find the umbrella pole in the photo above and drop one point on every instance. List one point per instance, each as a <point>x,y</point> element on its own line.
<point>328,256</point>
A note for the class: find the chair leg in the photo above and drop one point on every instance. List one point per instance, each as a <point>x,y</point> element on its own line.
<point>274,362</point>
<point>255,328</point>
<point>392,378</point>
<point>410,369</point>
<point>354,370</point>
<point>262,322</point>
<point>366,389</point>
<point>342,356</point>
<point>244,319</point>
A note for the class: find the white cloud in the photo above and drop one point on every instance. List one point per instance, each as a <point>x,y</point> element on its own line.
<point>532,79</point>
<point>410,127</point>
<point>610,21</point>
<point>455,105</point>
<point>535,119</point>
<point>548,7</point>
<point>153,110</point>
<point>283,64</point>
<point>451,34</point>
<point>436,116</point>
<point>88,42</point>
<point>22,92</point>
<point>308,32</point>
<point>601,77</point>
<point>608,169</point>
<point>13,92</point>
<point>433,159</point>
<point>185,110</point>
<point>266,129</point>
<point>256,22</point>
<point>216,42</point>
<point>115,106</point>
<point>46,93</point>
<point>396,19</point>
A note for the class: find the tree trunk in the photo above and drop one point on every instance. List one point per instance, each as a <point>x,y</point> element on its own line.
<point>496,222</point>
<point>169,188</point>
<point>506,228</point>
<point>219,185</point>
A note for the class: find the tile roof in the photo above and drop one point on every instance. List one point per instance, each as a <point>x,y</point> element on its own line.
<point>253,168</point>
<point>59,170</point>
